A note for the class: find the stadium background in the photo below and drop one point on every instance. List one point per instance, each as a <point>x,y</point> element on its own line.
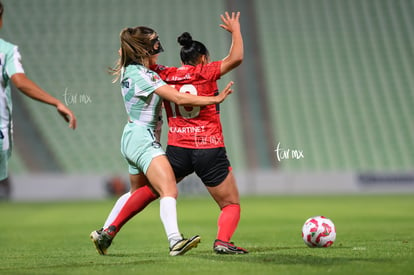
<point>329,78</point>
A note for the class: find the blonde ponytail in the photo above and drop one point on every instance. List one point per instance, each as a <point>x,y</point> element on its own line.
<point>136,47</point>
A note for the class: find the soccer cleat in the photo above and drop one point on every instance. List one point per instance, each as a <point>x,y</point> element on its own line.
<point>95,235</point>
<point>182,246</point>
<point>222,247</point>
<point>103,239</point>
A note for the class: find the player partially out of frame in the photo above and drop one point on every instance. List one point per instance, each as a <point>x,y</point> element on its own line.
<point>203,152</point>
<point>143,91</point>
<point>12,71</point>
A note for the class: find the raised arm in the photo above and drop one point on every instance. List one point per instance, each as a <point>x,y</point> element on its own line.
<point>29,88</point>
<point>235,56</point>
<point>171,94</point>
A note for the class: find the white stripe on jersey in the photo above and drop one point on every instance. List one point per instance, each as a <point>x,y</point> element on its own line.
<point>4,121</point>
<point>17,60</point>
<point>10,64</point>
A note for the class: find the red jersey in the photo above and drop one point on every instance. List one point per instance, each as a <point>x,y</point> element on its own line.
<point>193,127</point>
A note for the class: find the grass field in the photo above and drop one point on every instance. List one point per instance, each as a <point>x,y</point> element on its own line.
<point>375,235</point>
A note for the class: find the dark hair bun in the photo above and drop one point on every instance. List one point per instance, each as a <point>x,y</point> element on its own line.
<point>185,40</point>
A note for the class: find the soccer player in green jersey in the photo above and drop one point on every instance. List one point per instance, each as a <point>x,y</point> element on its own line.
<point>12,71</point>
<point>143,91</point>
<point>195,138</point>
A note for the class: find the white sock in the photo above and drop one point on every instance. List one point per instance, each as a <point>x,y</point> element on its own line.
<point>168,214</point>
<point>116,209</point>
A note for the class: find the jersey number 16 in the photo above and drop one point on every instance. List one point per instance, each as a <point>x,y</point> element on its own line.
<point>186,111</point>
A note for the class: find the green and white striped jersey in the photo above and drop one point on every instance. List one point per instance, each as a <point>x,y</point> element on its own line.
<point>142,104</point>
<point>10,64</point>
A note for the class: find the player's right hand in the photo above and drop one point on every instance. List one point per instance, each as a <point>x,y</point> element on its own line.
<point>230,23</point>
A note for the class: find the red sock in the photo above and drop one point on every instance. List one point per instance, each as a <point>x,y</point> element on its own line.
<point>135,204</point>
<point>228,221</point>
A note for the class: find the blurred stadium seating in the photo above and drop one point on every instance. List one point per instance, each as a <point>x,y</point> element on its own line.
<point>337,77</point>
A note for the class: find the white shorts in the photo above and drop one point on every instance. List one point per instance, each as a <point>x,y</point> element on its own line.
<point>139,146</point>
<point>4,164</point>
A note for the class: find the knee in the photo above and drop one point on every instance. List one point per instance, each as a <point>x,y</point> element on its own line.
<point>226,203</point>
<point>168,190</point>
<point>228,198</point>
<point>229,205</point>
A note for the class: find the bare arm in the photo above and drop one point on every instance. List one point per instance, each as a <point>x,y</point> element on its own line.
<point>171,94</point>
<point>236,52</point>
<point>29,88</point>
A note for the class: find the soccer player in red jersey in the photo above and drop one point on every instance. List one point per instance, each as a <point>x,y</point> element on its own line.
<point>195,138</point>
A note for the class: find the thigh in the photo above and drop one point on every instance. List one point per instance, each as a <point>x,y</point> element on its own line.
<point>161,177</point>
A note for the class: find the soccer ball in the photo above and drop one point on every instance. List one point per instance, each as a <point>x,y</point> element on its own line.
<point>318,231</point>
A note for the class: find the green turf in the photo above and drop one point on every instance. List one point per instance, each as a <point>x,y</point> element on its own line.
<point>374,236</point>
